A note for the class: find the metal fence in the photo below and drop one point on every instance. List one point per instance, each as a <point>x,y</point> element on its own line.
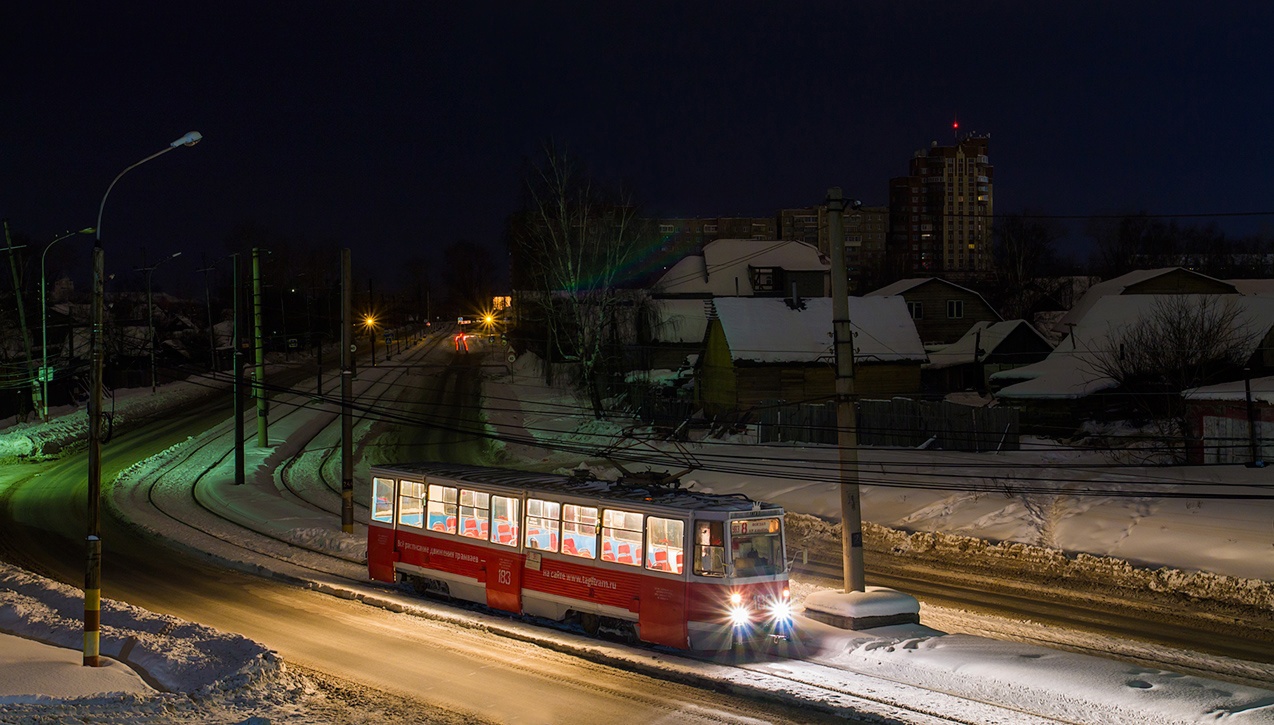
<point>900,422</point>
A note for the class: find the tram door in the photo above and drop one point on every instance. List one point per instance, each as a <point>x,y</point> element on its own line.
<point>504,581</point>
<point>504,566</point>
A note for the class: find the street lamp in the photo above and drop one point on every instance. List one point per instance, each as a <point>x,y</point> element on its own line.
<point>150,316</point>
<point>370,323</point>
<point>207,298</point>
<point>44,326</point>
<point>93,569</point>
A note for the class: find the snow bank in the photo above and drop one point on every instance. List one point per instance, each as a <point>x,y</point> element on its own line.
<point>68,429</point>
<point>1037,564</point>
<point>175,654</point>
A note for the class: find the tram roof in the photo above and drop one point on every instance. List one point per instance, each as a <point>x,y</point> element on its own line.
<point>572,486</point>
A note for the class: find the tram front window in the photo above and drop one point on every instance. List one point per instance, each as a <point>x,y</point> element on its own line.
<point>756,547</point>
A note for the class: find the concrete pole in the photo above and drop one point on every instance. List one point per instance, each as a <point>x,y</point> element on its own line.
<point>258,380</point>
<point>347,394</point>
<point>93,566</point>
<point>237,357</point>
<point>150,329</point>
<point>37,402</point>
<point>846,424</point>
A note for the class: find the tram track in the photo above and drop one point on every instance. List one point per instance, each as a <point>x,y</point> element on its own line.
<point>1144,633</point>
<point>190,456</point>
<point>328,456</point>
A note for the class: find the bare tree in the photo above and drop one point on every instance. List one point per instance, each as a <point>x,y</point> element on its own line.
<point>1184,341</point>
<point>574,241</point>
<point>1024,251</point>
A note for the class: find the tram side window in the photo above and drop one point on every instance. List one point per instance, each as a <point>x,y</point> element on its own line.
<point>442,509</point>
<point>621,537</point>
<point>543,523</point>
<point>579,531</point>
<point>504,520</point>
<point>665,544</point>
<point>475,513</point>
<point>709,548</point>
<point>411,504</point>
<point>383,499</point>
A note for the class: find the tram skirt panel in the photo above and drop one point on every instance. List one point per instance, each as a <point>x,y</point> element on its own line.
<point>662,617</point>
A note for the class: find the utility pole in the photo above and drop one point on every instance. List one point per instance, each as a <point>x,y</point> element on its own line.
<point>371,317</point>
<point>846,425</point>
<point>150,315</point>
<point>212,333</point>
<point>347,392</point>
<point>258,378</point>
<point>36,401</point>
<point>238,378</point>
<point>1257,460</point>
<point>93,567</point>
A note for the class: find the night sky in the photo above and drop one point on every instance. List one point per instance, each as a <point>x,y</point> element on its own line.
<point>399,128</point>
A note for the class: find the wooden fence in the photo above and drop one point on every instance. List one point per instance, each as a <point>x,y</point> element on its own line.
<point>900,422</point>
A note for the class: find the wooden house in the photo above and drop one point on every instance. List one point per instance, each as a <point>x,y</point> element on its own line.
<point>942,311</point>
<point>1165,281</point>
<point>761,350</point>
<point>681,301</point>
<point>989,347</point>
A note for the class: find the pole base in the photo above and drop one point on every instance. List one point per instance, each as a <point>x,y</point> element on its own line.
<point>876,607</point>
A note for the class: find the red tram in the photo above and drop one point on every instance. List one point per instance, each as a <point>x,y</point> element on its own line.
<point>664,565</point>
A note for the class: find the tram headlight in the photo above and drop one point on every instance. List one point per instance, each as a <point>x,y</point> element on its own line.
<point>740,615</point>
<point>781,610</point>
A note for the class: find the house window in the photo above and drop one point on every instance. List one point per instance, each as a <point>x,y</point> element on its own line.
<point>955,308</point>
<point>764,279</point>
<point>665,229</point>
<point>917,310</point>
<point>709,228</point>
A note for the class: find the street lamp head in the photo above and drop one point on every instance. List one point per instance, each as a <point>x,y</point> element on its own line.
<point>189,139</point>
<point>175,254</point>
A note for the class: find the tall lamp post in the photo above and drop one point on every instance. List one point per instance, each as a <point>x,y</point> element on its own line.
<point>44,326</point>
<point>93,569</point>
<point>150,316</point>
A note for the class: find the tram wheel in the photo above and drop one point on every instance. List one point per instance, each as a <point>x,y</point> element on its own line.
<point>591,623</point>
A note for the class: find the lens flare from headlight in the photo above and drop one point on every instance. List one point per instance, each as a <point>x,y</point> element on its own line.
<point>740,616</point>
<point>781,610</point>
<point>736,599</point>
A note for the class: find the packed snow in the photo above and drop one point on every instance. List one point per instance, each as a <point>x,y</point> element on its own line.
<point>161,669</point>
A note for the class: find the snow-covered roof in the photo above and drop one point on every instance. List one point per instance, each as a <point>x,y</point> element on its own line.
<point>687,275</point>
<point>1071,370</point>
<point>722,269</point>
<point>1262,391</point>
<point>769,330</point>
<point>904,285</point>
<point>1115,286</point>
<point>1253,286</point>
<point>961,352</point>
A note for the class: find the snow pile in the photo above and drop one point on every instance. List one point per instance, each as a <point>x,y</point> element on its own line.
<point>1038,563</point>
<point>175,654</point>
<point>69,428</point>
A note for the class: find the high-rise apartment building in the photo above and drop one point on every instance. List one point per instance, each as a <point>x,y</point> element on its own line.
<point>940,214</point>
<point>865,230</point>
